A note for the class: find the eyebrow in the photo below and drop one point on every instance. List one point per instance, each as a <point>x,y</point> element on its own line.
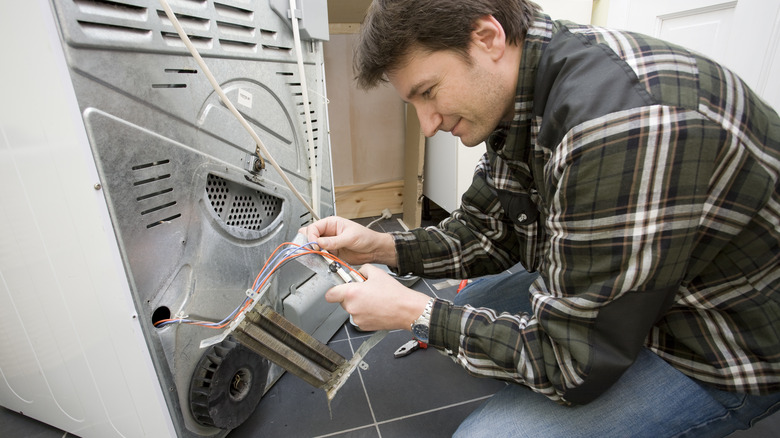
<point>415,89</point>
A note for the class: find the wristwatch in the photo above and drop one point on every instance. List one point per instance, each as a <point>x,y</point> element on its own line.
<point>422,324</point>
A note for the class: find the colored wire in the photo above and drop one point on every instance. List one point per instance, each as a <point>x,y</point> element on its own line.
<point>281,255</point>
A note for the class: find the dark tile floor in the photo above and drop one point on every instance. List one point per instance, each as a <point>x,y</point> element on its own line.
<point>422,395</point>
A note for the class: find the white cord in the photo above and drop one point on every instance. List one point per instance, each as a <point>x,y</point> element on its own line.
<point>385,215</point>
<point>315,190</point>
<point>231,107</point>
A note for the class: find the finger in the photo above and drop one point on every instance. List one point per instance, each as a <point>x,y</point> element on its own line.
<point>335,294</point>
<point>318,229</point>
<point>368,269</point>
<point>309,233</point>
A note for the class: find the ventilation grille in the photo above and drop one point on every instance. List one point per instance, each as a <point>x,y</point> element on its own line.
<point>241,207</point>
<point>218,25</point>
<point>296,90</point>
<point>154,193</point>
<point>177,78</point>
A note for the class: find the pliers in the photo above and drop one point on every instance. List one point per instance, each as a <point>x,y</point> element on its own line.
<point>409,347</point>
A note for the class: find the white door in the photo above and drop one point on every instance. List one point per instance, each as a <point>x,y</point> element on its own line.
<point>743,35</point>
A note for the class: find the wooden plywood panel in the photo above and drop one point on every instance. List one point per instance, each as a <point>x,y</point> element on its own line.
<point>377,129</point>
<point>337,51</point>
<point>347,11</point>
<point>366,127</point>
<point>369,200</point>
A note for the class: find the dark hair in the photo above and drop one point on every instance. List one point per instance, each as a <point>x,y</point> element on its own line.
<point>393,27</point>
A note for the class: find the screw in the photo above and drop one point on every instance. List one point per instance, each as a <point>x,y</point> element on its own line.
<point>97,186</point>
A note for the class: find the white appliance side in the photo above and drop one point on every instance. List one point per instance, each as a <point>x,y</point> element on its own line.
<point>449,169</point>
<point>72,353</point>
<point>440,170</point>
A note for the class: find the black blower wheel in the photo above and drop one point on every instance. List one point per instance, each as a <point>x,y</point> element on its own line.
<point>227,384</point>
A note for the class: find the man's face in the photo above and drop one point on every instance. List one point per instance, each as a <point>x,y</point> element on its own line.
<point>449,94</point>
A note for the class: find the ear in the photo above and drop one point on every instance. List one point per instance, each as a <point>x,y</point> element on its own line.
<point>488,36</point>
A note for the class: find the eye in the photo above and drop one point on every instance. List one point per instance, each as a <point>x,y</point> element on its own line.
<point>427,93</point>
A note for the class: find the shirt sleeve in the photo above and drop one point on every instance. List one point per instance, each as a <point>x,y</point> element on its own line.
<point>475,240</point>
<point>620,213</point>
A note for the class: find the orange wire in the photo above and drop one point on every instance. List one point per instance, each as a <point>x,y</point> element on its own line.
<point>267,277</point>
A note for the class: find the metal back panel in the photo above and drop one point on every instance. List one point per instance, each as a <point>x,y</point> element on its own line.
<point>193,225</point>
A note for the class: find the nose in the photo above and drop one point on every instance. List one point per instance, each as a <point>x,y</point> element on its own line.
<point>430,120</point>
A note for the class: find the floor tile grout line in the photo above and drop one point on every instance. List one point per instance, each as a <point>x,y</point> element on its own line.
<point>365,390</point>
<point>404,417</point>
<point>428,285</point>
<point>339,432</point>
<point>368,401</point>
<point>441,408</point>
<point>367,335</point>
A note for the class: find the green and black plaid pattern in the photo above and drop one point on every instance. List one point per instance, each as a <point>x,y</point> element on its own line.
<point>658,221</point>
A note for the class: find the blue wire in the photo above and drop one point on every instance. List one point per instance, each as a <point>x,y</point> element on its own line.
<point>262,277</point>
<point>273,264</point>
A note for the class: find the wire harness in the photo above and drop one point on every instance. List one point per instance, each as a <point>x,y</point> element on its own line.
<point>282,254</point>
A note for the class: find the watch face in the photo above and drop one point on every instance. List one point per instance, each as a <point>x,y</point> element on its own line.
<point>420,332</point>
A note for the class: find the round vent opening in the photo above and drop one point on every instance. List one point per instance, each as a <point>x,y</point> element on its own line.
<point>240,206</point>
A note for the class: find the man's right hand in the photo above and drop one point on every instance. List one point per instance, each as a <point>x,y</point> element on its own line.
<point>351,242</point>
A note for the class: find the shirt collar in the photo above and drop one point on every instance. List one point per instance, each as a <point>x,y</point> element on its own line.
<point>511,140</point>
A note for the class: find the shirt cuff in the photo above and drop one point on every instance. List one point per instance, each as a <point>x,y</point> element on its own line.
<point>408,251</point>
<point>444,332</point>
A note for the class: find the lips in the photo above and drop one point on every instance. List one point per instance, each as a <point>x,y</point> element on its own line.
<point>454,128</point>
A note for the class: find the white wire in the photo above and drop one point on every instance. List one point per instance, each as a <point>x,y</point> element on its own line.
<point>315,192</point>
<point>375,221</point>
<point>231,107</point>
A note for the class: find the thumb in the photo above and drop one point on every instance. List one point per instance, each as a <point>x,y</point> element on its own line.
<point>335,294</point>
<point>329,243</point>
<point>368,269</point>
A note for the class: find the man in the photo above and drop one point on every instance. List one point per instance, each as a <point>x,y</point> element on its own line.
<point>636,182</point>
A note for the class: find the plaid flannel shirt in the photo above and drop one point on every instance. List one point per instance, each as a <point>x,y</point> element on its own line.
<point>641,181</point>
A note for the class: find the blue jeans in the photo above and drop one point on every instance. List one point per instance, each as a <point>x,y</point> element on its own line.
<point>651,399</point>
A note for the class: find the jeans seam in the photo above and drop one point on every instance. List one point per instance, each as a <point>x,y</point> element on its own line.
<point>769,411</point>
<point>688,431</point>
<point>737,422</point>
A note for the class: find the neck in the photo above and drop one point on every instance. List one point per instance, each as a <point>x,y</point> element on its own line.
<point>513,55</point>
